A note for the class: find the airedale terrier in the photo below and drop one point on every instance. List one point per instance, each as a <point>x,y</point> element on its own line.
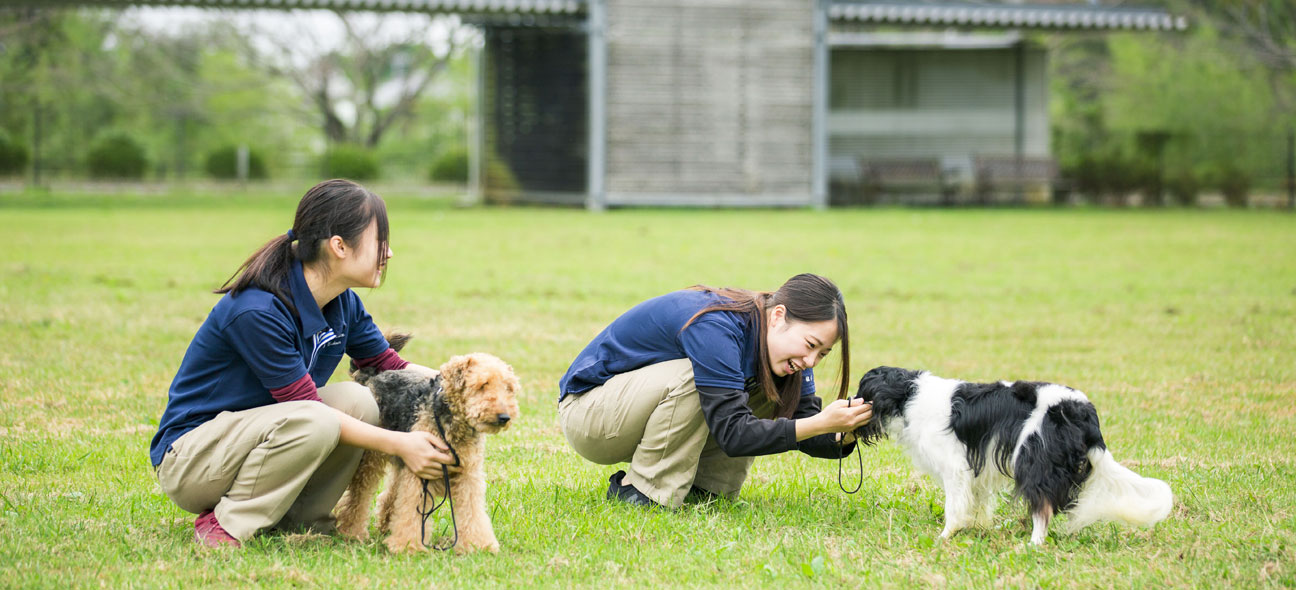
<point>474,395</point>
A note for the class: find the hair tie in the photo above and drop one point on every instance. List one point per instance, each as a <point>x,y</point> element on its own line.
<point>291,235</point>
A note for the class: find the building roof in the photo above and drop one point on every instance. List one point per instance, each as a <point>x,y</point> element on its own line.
<point>922,13</point>
<point>1020,16</point>
<point>455,6</point>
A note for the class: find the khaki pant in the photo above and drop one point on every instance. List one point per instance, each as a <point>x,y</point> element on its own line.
<point>278,465</point>
<point>652,418</point>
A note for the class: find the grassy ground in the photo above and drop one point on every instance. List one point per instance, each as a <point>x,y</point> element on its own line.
<point>1180,325</point>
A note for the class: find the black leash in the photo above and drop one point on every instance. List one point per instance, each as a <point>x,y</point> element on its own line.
<point>426,513</point>
<point>841,459</point>
<point>858,458</point>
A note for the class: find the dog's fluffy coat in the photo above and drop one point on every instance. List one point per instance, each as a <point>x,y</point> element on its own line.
<point>1042,436</point>
<point>479,398</point>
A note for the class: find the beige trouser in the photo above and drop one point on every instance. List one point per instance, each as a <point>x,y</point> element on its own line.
<point>652,418</point>
<point>277,465</point>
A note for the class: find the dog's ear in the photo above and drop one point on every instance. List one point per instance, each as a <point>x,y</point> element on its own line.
<point>880,380</point>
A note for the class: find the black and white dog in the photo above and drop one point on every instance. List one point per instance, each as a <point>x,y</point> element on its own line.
<point>1043,436</point>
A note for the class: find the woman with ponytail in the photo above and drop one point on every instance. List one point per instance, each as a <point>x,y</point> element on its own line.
<point>690,386</point>
<point>251,437</point>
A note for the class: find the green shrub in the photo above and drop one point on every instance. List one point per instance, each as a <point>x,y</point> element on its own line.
<point>1086,176</point>
<point>1183,186</point>
<point>1146,176</point>
<point>1235,184</point>
<point>450,165</point>
<point>502,187</point>
<point>117,156</point>
<point>1111,177</point>
<point>223,163</point>
<point>13,155</point>
<point>350,161</point>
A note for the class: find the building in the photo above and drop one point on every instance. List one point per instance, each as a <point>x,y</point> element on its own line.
<point>783,103</point>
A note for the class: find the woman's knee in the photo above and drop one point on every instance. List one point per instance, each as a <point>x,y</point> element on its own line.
<point>353,399</point>
<point>316,424</point>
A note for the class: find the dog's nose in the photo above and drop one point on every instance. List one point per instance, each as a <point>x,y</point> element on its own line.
<point>503,418</point>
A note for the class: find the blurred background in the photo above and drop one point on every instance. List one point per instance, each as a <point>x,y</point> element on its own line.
<point>601,103</point>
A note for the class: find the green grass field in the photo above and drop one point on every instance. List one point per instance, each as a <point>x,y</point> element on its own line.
<point>1180,325</point>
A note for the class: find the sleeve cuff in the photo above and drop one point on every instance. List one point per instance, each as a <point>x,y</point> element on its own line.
<point>300,390</point>
<point>789,435</point>
<point>387,361</point>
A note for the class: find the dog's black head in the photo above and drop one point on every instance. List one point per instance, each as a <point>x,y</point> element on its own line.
<point>888,389</point>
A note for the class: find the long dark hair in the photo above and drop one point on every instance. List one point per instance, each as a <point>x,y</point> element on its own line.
<point>331,208</point>
<point>808,298</point>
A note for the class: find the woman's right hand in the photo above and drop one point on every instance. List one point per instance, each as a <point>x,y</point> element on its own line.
<point>845,415</point>
<point>425,454</point>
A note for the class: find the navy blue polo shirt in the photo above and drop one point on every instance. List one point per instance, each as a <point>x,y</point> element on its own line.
<point>720,344</point>
<point>252,343</point>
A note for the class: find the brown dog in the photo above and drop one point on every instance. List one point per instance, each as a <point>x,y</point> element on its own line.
<point>474,395</point>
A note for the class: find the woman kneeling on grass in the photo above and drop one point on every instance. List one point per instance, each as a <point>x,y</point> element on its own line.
<point>251,438</point>
<point>690,386</point>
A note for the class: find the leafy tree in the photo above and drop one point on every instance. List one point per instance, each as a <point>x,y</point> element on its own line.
<point>361,89</point>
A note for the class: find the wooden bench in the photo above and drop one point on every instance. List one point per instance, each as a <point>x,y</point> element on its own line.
<point>904,176</point>
<point>1009,175</point>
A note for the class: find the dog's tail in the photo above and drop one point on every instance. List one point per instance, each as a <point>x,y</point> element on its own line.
<point>1114,493</point>
<point>396,340</point>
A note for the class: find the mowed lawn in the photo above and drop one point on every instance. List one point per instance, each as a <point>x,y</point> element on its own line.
<point>1179,325</point>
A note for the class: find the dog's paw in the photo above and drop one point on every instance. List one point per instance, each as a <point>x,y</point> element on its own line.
<point>354,532</point>
<point>465,548</point>
<point>404,545</point>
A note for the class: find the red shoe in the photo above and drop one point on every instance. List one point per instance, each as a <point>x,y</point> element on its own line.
<point>208,532</point>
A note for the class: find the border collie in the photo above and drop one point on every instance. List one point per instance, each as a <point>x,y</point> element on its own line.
<point>1042,436</point>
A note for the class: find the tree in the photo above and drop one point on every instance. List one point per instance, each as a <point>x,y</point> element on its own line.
<point>43,53</point>
<point>1266,31</point>
<point>373,77</point>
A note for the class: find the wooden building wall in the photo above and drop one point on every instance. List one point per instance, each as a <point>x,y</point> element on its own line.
<point>709,102</point>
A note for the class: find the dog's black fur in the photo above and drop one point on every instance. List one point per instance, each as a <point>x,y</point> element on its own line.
<point>398,407</point>
<point>1052,464</point>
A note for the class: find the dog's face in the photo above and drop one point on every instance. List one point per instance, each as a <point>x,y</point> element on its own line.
<point>888,389</point>
<point>482,389</point>
<point>882,382</point>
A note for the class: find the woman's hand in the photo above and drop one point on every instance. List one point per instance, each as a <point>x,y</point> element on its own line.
<point>424,454</point>
<point>843,415</point>
<point>429,372</point>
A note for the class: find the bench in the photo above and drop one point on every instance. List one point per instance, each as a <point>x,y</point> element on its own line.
<point>904,176</point>
<point>1013,176</point>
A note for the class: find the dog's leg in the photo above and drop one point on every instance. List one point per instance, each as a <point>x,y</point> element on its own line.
<point>386,499</point>
<point>985,499</point>
<point>1040,518</point>
<point>352,511</point>
<point>407,491</point>
<point>958,502</point>
<point>469,492</point>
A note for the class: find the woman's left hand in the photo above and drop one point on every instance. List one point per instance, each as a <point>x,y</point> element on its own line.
<point>431,373</point>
